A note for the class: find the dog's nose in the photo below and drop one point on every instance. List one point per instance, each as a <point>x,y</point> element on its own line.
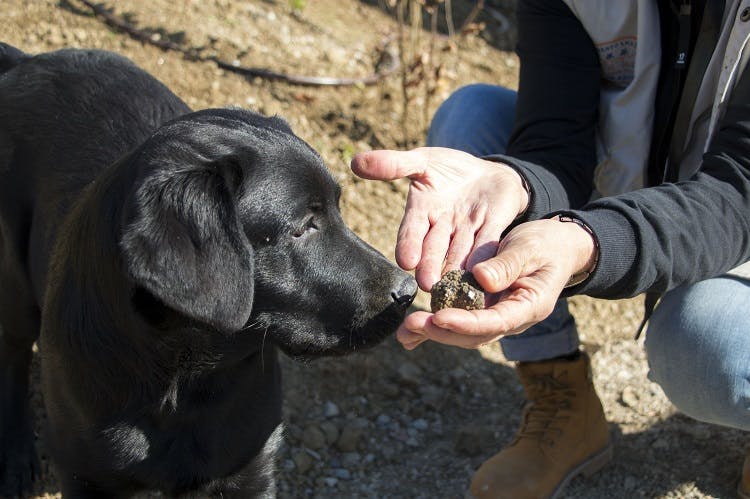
<point>405,291</point>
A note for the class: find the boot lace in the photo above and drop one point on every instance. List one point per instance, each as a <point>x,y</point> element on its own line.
<point>547,409</point>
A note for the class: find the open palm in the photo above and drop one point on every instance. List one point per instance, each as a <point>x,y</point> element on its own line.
<point>457,207</point>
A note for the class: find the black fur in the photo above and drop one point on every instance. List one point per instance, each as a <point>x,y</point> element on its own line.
<point>163,255</point>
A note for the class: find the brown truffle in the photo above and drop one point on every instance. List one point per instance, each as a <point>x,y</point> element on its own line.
<point>457,289</point>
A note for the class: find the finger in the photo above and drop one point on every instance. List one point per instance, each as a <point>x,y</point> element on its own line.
<point>509,316</point>
<point>460,246</point>
<point>415,344</point>
<point>409,339</point>
<point>433,253</point>
<point>499,272</point>
<point>488,237</point>
<point>411,234</point>
<point>388,165</point>
<point>447,337</point>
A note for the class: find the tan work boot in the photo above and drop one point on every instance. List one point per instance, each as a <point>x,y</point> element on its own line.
<point>743,488</point>
<point>563,433</point>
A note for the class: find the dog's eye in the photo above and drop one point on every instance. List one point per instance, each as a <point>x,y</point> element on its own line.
<point>306,227</point>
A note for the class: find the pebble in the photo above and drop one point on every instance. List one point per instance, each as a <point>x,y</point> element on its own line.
<point>420,424</point>
<point>349,438</point>
<point>352,459</point>
<point>630,483</point>
<point>330,430</point>
<point>390,390</point>
<point>660,443</point>
<point>313,438</point>
<point>383,419</point>
<point>342,474</point>
<point>432,396</point>
<point>410,373</point>
<point>470,439</point>
<point>330,409</point>
<point>697,430</point>
<point>302,461</point>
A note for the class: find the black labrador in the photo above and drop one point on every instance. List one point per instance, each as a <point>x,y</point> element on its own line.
<point>160,256</point>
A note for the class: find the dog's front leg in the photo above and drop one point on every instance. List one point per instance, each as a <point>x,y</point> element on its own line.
<point>74,488</point>
<point>19,465</point>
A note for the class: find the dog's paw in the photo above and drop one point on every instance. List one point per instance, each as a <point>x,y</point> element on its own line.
<point>19,464</point>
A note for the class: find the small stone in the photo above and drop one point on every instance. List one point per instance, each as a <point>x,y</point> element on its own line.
<point>390,390</point>
<point>410,373</point>
<point>660,443</point>
<point>313,438</point>
<point>432,396</point>
<point>330,430</point>
<point>330,409</point>
<point>420,424</point>
<point>349,438</point>
<point>698,431</point>
<point>351,459</point>
<point>302,461</point>
<point>470,440</point>
<point>630,483</point>
<point>383,419</point>
<point>457,289</point>
<point>342,474</point>
<point>330,481</point>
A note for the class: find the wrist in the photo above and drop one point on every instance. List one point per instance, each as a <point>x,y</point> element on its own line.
<point>524,191</point>
<point>586,247</point>
<point>517,179</point>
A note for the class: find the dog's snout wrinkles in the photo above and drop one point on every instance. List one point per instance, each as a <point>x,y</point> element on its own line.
<point>405,291</point>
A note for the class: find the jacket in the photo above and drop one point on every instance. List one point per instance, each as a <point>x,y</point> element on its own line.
<point>618,96</point>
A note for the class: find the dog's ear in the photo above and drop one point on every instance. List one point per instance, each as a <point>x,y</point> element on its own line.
<point>183,242</point>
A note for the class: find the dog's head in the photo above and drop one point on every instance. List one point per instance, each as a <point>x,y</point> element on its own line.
<point>235,223</point>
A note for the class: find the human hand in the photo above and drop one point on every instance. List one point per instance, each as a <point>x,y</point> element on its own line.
<point>457,207</point>
<point>533,264</point>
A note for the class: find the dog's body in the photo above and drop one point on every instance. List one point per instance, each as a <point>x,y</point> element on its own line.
<point>163,255</point>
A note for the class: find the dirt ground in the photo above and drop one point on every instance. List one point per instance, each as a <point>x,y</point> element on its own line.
<point>391,423</point>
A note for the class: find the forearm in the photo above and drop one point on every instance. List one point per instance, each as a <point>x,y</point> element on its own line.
<point>659,238</point>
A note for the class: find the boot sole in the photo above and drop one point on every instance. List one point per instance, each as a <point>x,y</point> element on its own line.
<point>587,468</point>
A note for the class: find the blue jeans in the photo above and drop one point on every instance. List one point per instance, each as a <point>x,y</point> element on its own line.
<point>698,339</point>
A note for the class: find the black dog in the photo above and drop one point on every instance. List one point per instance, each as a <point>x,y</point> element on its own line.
<point>163,255</point>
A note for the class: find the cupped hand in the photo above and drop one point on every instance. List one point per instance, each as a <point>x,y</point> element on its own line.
<point>457,207</point>
<point>533,264</point>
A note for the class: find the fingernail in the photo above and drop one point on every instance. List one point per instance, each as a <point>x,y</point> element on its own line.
<point>490,276</point>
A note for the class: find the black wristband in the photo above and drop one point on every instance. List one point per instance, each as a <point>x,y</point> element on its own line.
<point>581,276</point>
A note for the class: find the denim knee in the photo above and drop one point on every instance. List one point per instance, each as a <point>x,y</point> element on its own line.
<point>698,346</point>
<point>477,119</point>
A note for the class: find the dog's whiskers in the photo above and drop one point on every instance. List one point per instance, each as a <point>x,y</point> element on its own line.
<point>262,347</point>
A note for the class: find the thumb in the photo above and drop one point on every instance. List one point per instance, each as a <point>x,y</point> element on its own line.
<point>499,272</point>
<point>388,165</point>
